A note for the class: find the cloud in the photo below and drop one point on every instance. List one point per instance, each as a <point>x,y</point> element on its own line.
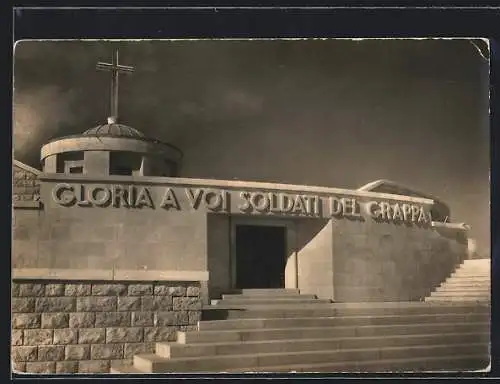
<point>38,115</point>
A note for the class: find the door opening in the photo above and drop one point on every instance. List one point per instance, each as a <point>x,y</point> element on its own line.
<point>260,256</point>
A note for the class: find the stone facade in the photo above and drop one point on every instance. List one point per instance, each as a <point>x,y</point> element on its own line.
<point>87,266</point>
<point>85,326</point>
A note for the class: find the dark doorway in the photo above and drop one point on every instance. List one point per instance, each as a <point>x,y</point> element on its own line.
<point>260,256</point>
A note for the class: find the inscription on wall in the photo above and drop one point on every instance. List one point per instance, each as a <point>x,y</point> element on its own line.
<point>230,201</point>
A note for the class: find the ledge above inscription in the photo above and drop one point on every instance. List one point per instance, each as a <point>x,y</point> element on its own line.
<point>462,226</point>
<point>107,274</point>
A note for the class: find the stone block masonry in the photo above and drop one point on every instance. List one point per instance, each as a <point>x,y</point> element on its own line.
<point>26,185</point>
<point>85,326</point>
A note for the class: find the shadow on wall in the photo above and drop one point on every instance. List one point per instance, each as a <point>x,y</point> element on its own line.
<point>315,257</point>
<point>218,254</point>
<point>308,230</point>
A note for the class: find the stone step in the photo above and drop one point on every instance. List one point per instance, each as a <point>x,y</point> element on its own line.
<point>299,322</point>
<point>451,298</point>
<point>473,300</point>
<point>269,301</point>
<point>469,278</point>
<point>287,296</point>
<point>176,350</point>
<point>468,265</point>
<point>327,332</point>
<point>313,307</point>
<point>157,364</point>
<point>478,260</point>
<point>248,312</point>
<point>460,363</point>
<point>472,271</point>
<point>475,267</point>
<point>364,296</point>
<point>271,304</point>
<point>401,307</point>
<point>471,274</point>
<point>460,293</point>
<point>457,287</point>
<point>127,369</point>
<point>265,291</point>
<point>465,284</point>
<point>466,281</point>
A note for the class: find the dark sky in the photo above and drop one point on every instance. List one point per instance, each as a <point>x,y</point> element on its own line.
<point>336,113</point>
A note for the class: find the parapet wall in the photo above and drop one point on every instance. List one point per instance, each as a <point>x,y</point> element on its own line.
<point>26,186</point>
<point>85,326</point>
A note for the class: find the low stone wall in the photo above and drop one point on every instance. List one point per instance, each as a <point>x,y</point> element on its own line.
<point>26,186</point>
<point>85,326</point>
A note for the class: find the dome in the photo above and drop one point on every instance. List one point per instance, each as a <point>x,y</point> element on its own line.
<point>112,128</point>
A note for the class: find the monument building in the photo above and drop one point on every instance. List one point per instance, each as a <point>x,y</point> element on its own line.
<point>114,250</point>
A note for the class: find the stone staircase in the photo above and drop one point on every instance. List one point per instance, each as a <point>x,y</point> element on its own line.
<point>285,331</point>
<point>470,282</point>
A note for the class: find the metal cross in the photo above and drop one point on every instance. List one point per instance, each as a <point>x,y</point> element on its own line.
<point>115,68</point>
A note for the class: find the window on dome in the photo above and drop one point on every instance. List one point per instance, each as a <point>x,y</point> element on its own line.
<point>122,171</point>
<point>76,169</point>
<point>124,163</point>
<point>67,160</point>
<point>73,167</point>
